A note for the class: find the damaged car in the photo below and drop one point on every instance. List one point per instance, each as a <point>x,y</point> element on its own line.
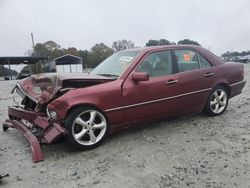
<point>130,87</point>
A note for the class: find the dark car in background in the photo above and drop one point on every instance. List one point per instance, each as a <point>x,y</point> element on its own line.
<point>25,72</point>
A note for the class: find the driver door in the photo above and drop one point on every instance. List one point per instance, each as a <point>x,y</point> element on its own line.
<point>154,97</point>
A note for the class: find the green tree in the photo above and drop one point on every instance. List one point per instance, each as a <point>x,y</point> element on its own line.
<point>226,54</point>
<point>56,53</point>
<point>188,41</point>
<point>159,42</point>
<point>51,45</point>
<point>165,42</point>
<point>122,45</point>
<point>72,51</point>
<point>229,54</point>
<point>40,50</point>
<point>98,53</point>
<point>84,55</point>
<point>48,49</point>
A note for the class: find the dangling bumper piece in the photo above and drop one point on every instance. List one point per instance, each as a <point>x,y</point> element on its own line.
<point>50,130</point>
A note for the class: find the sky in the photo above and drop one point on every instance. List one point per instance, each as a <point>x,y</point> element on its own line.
<point>218,25</point>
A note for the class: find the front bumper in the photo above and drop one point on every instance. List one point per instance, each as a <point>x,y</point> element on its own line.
<point>50,130</point>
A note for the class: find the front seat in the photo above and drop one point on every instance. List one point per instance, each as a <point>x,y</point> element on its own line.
<point>161,68</point>
<point>146,67</point>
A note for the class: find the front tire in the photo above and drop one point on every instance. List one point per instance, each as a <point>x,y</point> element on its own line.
<point>217,101</point>
<point>87,128</point>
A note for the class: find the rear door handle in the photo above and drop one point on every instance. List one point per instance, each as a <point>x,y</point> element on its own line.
<point>169,82</point>
<point>209,74</point>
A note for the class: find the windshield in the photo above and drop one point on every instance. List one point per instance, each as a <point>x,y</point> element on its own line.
<point>116,64</point>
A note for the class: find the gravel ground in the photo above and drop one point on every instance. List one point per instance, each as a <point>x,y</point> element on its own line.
<point>188,151</point>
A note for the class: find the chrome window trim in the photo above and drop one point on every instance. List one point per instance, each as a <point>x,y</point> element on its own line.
<point>157,100</point>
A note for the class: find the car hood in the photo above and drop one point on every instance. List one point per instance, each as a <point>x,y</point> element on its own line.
<point>42,88</point>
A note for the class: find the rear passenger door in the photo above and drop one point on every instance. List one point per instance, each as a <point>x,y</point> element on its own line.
<point>193,74</point>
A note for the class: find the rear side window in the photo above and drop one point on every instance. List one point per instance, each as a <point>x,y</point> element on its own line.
<point>187,60</point>
<point>157,64</point>
<point>203,62</point>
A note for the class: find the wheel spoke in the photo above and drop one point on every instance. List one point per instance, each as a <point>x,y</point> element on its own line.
<point>216,108</point>
<point>100,125</point>
<point>222,95</point>
<point>92,117</point>
<point>92,136</point>
<point>216,95</point>
<point>222,103</point>
<point>212,103</point>
<point>81,122</point>
<point>79,135</point>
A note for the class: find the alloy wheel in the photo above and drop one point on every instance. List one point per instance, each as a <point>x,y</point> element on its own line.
<point>218,101</point>
<point>89,127</point>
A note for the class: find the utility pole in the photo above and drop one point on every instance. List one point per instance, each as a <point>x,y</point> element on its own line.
<point>33,44</point>
<point>10,69</point>
<point>32,39</point>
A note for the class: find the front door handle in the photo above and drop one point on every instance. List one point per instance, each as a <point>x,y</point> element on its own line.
<point>209,74</point>
<point>169,82</point>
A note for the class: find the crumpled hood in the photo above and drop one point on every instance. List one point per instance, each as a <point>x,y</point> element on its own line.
<point>43,87</point>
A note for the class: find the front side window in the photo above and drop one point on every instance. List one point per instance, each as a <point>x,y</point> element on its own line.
<point>157,64</point>
<point>186,60</point>
<point>116,64</point>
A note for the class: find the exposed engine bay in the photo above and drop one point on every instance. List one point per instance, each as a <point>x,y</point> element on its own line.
<point>37,91</point>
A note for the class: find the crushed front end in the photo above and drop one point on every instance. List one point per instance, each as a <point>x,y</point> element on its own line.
<point>30,116</point>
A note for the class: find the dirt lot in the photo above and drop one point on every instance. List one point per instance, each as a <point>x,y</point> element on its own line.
<point>189,151</point>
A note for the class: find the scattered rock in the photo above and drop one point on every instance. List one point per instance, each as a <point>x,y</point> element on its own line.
<point>18,178</point>
<point>73,173</point>
<point>96,182</point>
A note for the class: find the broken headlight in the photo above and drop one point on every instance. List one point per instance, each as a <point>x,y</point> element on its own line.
<point>51,114</point>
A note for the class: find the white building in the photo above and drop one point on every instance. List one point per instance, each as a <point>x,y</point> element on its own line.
<point>67,64</point>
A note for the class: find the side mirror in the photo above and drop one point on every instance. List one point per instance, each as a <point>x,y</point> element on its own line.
<point>140,76</point>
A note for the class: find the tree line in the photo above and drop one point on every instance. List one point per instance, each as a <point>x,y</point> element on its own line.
<point>229,54</point>
<point>98,52</point>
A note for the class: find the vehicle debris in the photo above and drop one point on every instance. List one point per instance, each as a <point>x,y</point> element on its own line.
<point>3,176</point>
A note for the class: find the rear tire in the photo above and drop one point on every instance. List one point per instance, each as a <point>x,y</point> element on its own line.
<point>217,101</point>
<point>87,128</point>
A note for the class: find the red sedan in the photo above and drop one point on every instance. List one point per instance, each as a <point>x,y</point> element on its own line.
<point>128,88</point>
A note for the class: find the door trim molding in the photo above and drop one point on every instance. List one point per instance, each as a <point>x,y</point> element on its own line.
<point>237,83</point>
<point>157,100</point>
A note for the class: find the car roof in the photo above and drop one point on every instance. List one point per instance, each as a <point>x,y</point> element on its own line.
<point>212,58</point>
<point>208,54</point>
<point>152,48</point>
